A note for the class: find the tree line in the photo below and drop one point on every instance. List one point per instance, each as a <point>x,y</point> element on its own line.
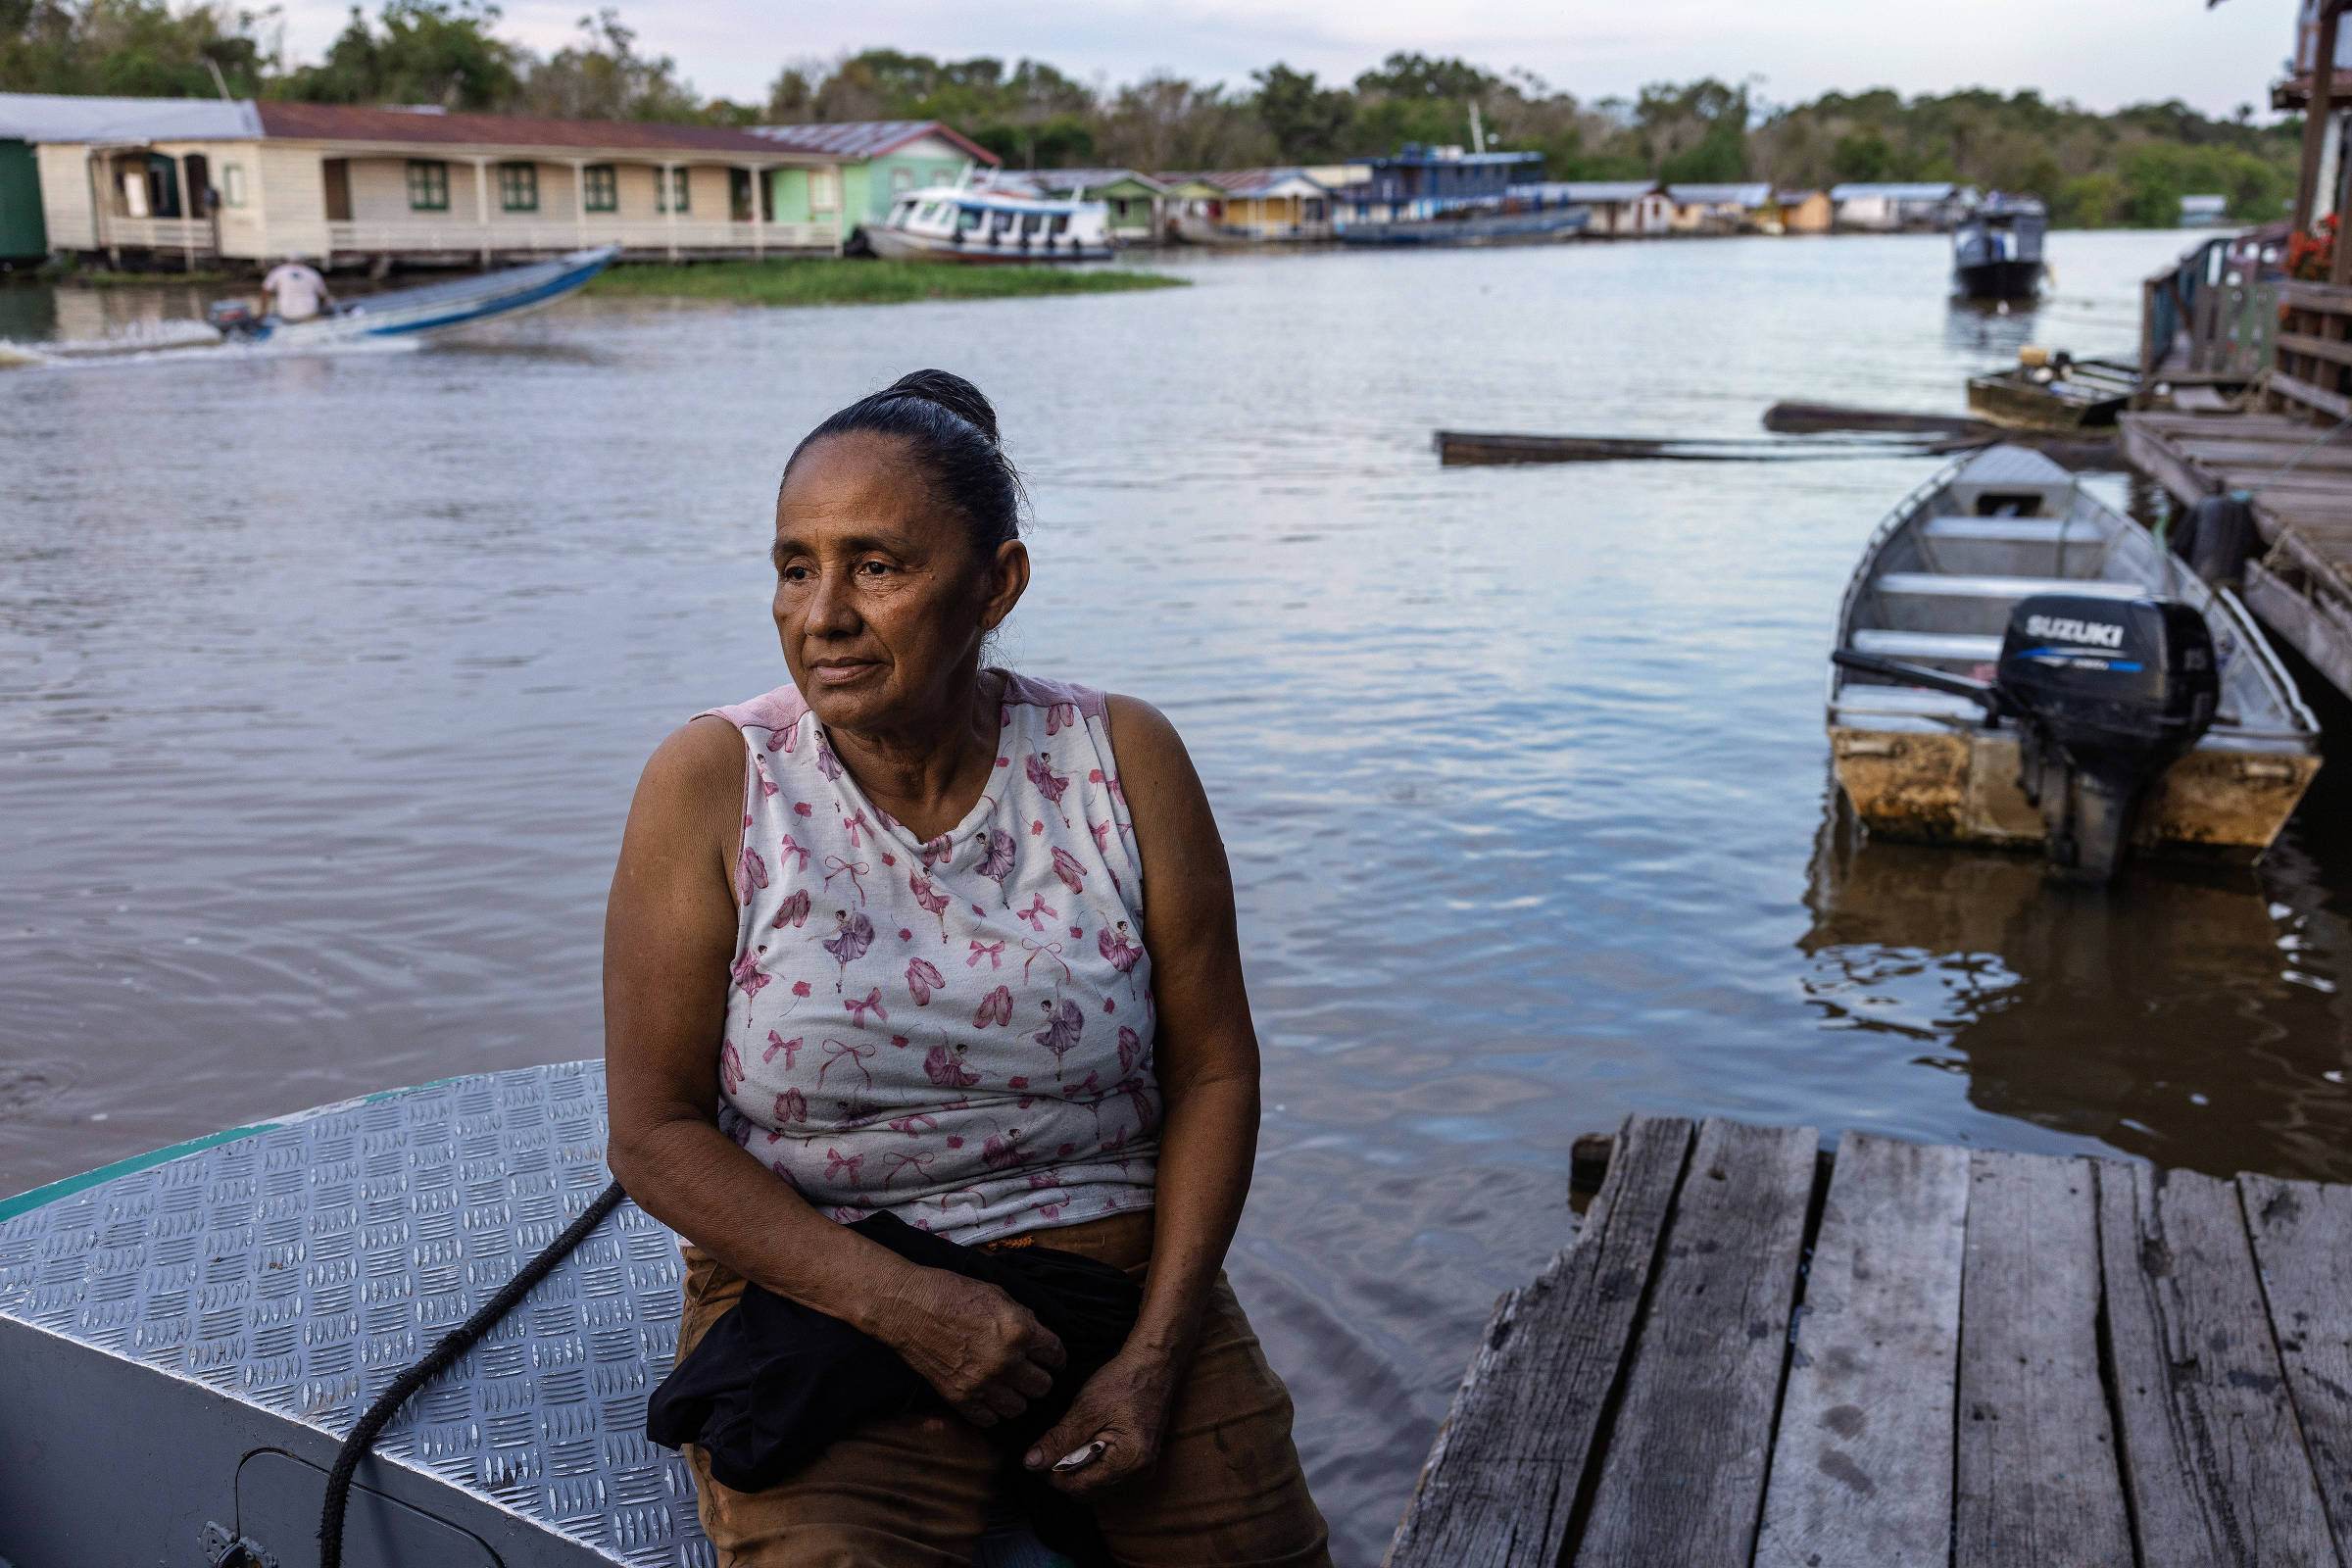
<point>2129,166</point>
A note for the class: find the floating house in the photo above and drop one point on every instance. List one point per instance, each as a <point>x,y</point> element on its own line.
<point>1133,200</point>
<point>1717,208</point>
<point>1805,212</point>
<point>1622,209</point>
<point>1240,206</point>
<point>875,162</point>
<point>1890,208</point>
<point>196,181</point>
<point>2205,212</point>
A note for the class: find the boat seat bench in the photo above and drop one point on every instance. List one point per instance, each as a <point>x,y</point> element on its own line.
<point>1965,647</point>
<point>2016,531</point>
<point>1937,585</point>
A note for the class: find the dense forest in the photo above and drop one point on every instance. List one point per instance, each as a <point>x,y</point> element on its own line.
<point>2130,167</point>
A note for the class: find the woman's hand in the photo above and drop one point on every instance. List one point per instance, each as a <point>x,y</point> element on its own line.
<point>987,1355</point>
<point>1125,1407</point>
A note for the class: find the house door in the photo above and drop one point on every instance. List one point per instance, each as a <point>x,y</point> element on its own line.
<point>202,198</point>
<point>337,173</point>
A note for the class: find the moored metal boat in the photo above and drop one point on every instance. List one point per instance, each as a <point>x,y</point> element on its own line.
<point>186,1338</point>
<point>1471,227</point>
<point>1936,589</point>
<point>1996,250</point>
<point>976,226</point>
<point>2055,392</point>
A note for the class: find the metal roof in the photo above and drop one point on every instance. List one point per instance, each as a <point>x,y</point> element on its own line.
<point>290,121</point>
<point>1915,191</point>
<point>1063,179</point>
<point>1602,190</point>
<point>1756,195</point>
<point>862,139</point>
<point>1252,182</point>
<point>62,118</point>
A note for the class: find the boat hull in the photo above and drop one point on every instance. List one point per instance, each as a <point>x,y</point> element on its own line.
<point>2087,399</point>
<point>897,245</point>
<point>1924,787</point>
<point>1998,280</point>
<point>1500,229</point>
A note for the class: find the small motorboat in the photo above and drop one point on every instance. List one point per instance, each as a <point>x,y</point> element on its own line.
<point>1473,225</point>
<point>979,226</point>
<point>392,314</point>
<point>2055,393</point>
<point>1996,250</point>
<point>2019,663</point>
<point>187,1337</point>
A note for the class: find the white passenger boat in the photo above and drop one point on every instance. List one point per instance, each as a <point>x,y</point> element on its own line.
<point>977,226</point>
<point>186,1338</point>
<point>2003,574</point>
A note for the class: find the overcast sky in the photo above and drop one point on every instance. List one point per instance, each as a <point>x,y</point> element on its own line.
<point>2101,53</point>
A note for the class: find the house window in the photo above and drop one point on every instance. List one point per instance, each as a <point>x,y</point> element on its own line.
<point>902,180</point>
<point>428,187</point>
<point>233,184</point>
<point>679,195</point>
<point>518,187</point>
<point>599,188</point>
<point>824,190</point>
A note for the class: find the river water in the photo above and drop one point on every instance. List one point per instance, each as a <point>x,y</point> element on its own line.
<point>323,683</point>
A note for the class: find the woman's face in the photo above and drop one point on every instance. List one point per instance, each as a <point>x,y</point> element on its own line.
<point>880,604</point>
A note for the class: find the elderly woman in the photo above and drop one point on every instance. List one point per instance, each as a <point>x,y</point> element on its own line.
<point>916,936</point>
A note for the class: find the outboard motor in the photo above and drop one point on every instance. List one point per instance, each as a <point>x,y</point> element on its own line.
<point>232,318</point>
<point>2107,694</point>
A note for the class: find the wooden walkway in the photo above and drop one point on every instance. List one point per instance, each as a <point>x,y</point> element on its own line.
<point>1910,1356</point>
<point>2303,587</point>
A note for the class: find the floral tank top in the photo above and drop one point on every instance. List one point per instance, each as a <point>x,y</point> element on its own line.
<point>957,1031</point>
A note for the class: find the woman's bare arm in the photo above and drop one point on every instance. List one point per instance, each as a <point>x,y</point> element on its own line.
<point>669,938</point>
<point>1205,1054</point>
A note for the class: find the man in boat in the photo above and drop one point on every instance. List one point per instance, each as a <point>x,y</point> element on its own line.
<point>294,291</point>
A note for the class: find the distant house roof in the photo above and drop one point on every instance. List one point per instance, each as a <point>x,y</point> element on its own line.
<point>1086,180</point>
<point>1720,195</point>
<point>1792,198</point>
<point>1914,191</point>
<point>58,117</point>
<point>1258,183</point>
<point>860,139</point>
<point>1603,190</point>
<point>290,121</point>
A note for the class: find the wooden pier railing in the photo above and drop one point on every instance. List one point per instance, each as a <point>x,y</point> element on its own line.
<point>1989,1359</point>
<point>2314,350</point>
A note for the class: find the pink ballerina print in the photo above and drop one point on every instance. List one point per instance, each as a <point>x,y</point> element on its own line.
<point>1037,913</point>
<point>916,1125</point>
<point>1004,1152</point>
<point>851,935</point>
<point>926,893</point>
<point>1060,717</point>
<point>945,1068</point>
<point>902,1159</point>
<point>995,1007</point>
<point>789,1048</point>
<point>995,860</point>
<point>922,980</point>
<point>769,788</point>
<point>791,1107</point>
<point>872,1004</point>
<point>826,762</point>
<point>1063,1025</point>
<point>750,873</point>
<point>1132,1049</point>
<point>835,866</point>
<point>794,910</point>
<point>856,825</point>
<point>1101,832</point>
<point>1049,783</point>
<point>730,1067</point>
<point>839,1165</point>
<point>993,952</point>
<point>793,850</point>
<point>749,975</point>
<point>853,1052</point>
<point>938,852</point>
<point>1066,868</point>
<point>1121,952</point>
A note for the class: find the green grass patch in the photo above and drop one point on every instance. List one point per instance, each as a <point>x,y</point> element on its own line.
<point>105,280</point>
<point>839,282</point>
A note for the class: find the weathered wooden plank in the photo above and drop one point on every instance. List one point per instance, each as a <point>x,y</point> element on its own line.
<point>2036,1478</point>
<point>1862,1468</point>
<point>2303,1240</point>
<point>1499,1485</point>
<point>1683,1473</point>
<point>2164,460</point>
<point>2309,394</point>
<point>2211,1452</point>
<point>2300,621</point>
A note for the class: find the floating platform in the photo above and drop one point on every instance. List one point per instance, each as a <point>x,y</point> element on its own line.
<point>2083,397</point>
<point>1908,1355</point>
<point>2299,477</point>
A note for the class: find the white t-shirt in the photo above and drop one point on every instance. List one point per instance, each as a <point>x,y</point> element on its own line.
<point>298,288</point>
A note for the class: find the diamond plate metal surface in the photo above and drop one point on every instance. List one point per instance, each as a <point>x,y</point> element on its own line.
<point>302,1268</point>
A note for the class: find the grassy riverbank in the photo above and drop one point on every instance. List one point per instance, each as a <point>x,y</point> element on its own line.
<point>826,280</point>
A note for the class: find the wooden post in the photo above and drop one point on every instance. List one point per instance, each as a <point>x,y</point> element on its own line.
<point>669,207</point>
<point>481,205</point>
<point>2316,117</point>
<point>187,216</point>
<point>759,231</point>
<point>579,202</point>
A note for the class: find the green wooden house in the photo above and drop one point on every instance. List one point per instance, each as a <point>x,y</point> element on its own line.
<point>878,162</point>
<point>1134,200</point>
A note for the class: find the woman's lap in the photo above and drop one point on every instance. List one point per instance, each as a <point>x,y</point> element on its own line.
<point>915,1491</point>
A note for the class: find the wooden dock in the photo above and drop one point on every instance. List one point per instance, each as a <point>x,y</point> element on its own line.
<point>1909,1356</point>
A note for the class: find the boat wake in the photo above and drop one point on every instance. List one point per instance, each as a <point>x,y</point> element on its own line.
<point>159,348</point>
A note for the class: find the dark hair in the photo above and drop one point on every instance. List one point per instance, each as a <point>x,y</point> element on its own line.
<point>952,431</point>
